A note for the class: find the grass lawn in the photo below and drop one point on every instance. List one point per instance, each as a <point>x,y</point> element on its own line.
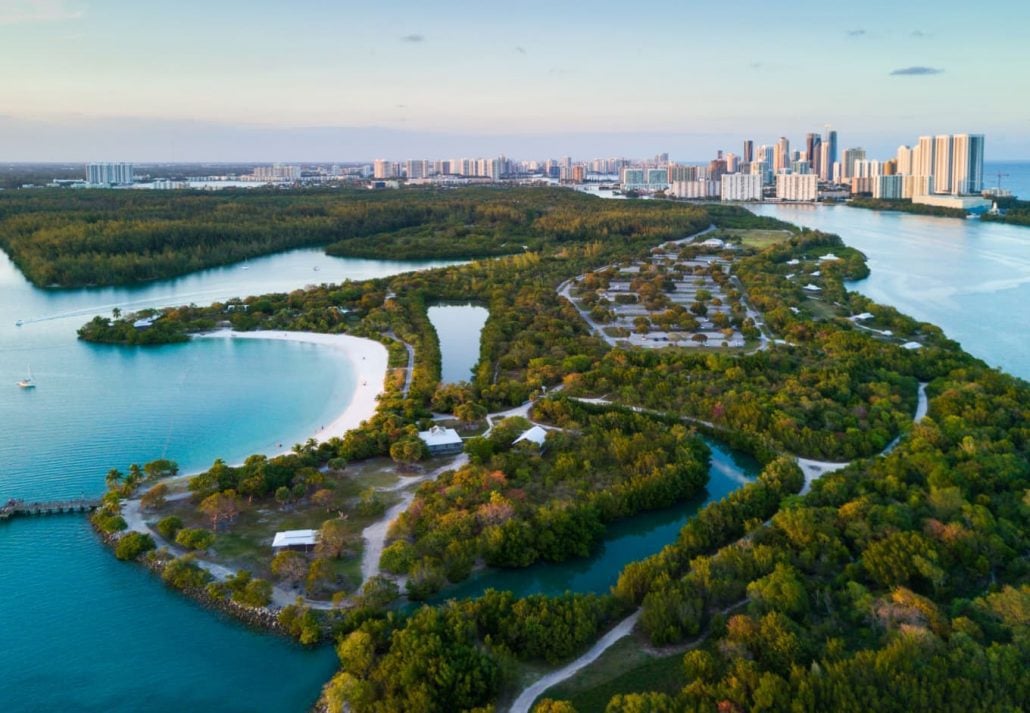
<point>624,668</point>
<point>821,310</point>
<point>247,543</point>
<point>760,239</point>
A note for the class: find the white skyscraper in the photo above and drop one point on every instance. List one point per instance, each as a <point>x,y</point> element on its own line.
<point>942,147</point>
<point>382,168</point>
<point>967,164</point>
<point>923,161</point>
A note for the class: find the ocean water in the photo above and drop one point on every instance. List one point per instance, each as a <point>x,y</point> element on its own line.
<point>1015,178</point>
<point>81,630</point>
<point>970,278</point>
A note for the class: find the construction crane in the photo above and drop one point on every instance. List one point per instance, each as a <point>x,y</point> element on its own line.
<point>1000,176</point>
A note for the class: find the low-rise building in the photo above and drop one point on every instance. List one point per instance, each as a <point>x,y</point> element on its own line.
<point>301,540</point>
<point>442,441</point>
<point>972,204</point>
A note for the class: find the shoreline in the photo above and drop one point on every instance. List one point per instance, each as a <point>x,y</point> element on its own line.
<point>368,359</point>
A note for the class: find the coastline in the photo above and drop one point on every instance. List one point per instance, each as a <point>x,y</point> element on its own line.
<point>368,359</point>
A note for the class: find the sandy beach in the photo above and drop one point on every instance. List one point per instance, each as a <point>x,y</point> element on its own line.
<point>367,358</point>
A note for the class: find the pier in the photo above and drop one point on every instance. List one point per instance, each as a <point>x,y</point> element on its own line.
<point>13,508</point>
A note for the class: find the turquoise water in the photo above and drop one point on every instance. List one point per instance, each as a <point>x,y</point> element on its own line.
<point>626,541</point>
<point>971,279</point>
<point>458,327</point>
<point>81,630</point>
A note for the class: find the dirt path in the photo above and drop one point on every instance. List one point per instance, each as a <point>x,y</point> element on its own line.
<point>375,534</point>
<point>525,700</point>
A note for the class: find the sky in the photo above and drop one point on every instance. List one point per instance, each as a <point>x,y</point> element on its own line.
<point>324,80</point>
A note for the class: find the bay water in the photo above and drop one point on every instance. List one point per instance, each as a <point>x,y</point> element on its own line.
<point>81,630</point>
<point>971,279</point>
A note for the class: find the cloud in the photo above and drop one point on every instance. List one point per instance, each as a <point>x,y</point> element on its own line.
<point>16,12</point>
<point>414,38</point>
<point>857,33</point>
<point>915,71</point>
<point>520,50</point>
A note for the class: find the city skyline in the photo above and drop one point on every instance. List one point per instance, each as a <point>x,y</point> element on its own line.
<point>261,81</point>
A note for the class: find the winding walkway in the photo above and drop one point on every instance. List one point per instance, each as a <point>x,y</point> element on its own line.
<point>525,700</point>
<point>812,470</point>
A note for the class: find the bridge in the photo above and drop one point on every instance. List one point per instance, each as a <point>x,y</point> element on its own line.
<point>47,507</point>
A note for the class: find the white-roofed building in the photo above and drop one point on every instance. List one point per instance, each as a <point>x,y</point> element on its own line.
<point>441,441</point>
<point>536,435</point>
<point>303,540</point>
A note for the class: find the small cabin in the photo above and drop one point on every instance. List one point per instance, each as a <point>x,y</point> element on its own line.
<point>442,441</point>
<point>299,540</point>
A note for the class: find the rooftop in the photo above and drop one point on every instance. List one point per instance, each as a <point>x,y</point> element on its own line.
<point>439,436</point>
<point>293,538</point>
<point>536,435</point>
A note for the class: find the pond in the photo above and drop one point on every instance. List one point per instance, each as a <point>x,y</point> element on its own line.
<point>458,327</point>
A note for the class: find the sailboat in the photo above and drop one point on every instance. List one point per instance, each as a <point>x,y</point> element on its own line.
<point>27,382</point>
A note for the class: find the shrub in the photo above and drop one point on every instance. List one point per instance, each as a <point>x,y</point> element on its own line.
<point>195,538</point>
<point>167,527</point>
<point>132,544</point>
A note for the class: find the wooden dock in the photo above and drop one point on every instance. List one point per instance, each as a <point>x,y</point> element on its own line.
<point>47,507</point>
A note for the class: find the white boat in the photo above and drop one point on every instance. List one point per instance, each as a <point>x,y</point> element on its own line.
<point>27,382</point>
<point>19,323</point>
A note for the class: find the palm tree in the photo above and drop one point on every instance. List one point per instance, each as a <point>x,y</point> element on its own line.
<point>114,477</point>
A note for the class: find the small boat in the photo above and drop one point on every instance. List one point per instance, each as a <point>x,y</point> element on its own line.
<point>27,382</point>
<point>315,268</point>
<point>19,323</point>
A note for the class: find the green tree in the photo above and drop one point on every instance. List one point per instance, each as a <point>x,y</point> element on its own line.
<point>133,544</point>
